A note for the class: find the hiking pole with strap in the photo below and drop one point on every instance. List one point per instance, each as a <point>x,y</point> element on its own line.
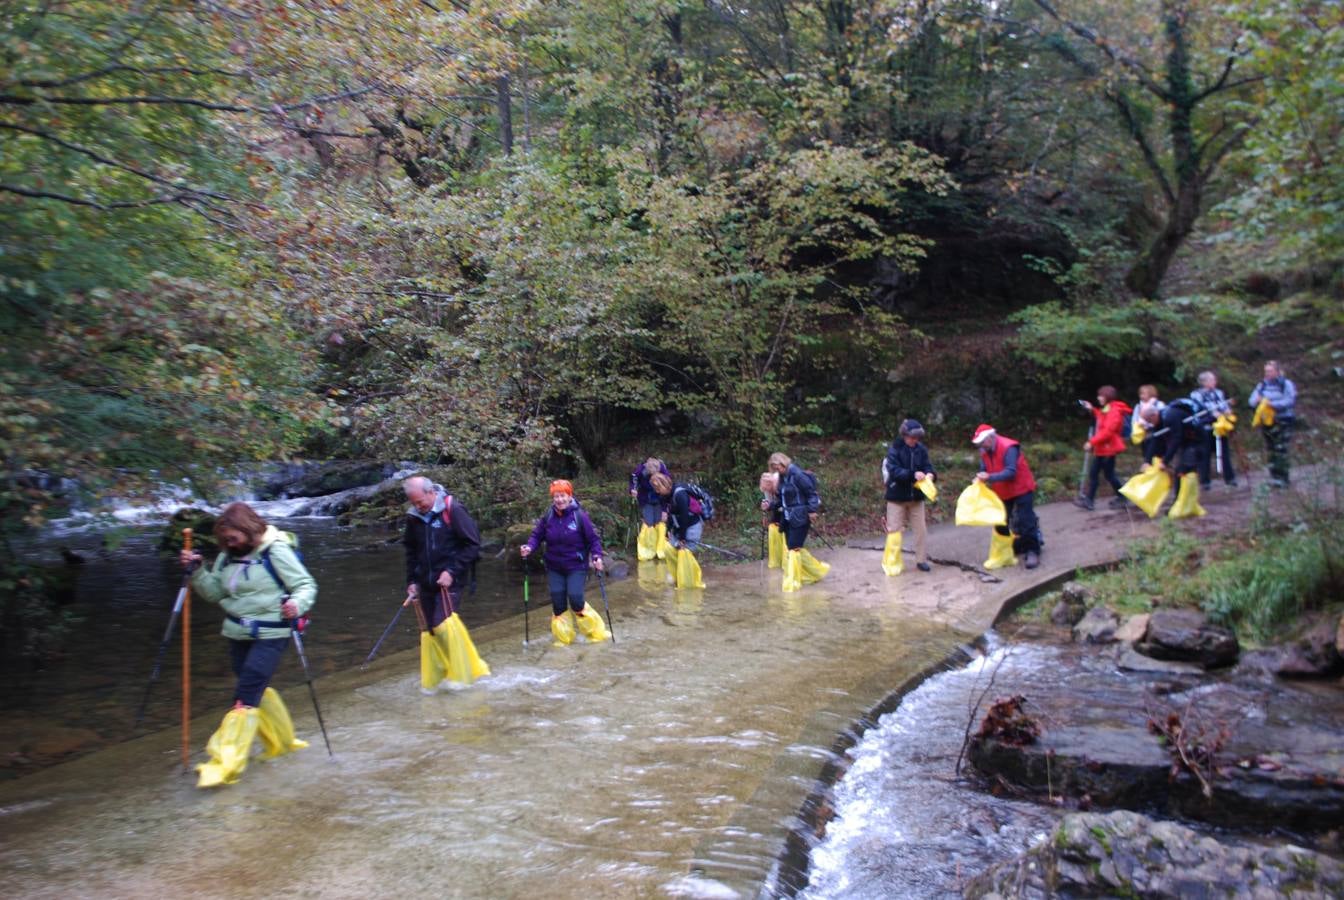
<point>296,629</point>
<point>167,632</point>
<point>386,632</point>
<point>527,577</point>
<point>732,553</point>
<point>602,586</point>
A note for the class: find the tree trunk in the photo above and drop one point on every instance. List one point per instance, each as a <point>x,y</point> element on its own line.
<point>504,105</point>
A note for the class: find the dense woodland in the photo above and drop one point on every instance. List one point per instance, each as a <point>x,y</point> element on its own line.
<point>507,233</point>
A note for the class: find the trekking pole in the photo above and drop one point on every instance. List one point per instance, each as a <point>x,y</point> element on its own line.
<point>527,576</point>
<point>296,629</point>
<point>386,632</point>
<point>186,664</point>
<point>733,553</point>
<point>602,586</point>
<point>167,638</point>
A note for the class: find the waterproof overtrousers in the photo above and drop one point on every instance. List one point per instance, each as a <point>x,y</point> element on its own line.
<point>647,545</point>
<point>775,542</point>
<point>686,572</point>
<point>891,555</point>
<point>665,549</point>
<point>1000,550</point>
<point>562,628</point>
<point>448,654</point>
<point>274,726</point>
<point>591,625</point>
<point>813,569</point>
<point>1148,489</point>
<point>229,747</point>
<point>1187,498</point>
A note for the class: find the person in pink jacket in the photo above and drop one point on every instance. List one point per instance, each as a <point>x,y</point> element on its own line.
<point>1106,443</point>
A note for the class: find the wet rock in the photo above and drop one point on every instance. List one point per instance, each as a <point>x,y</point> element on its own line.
<point>320,479</point>
<point>1133,629</point>
<point>1097,627</point>
<point>1314,655</point>
<point>1187,635</point>
<point>617,569</point>
<point>1075,593</point>
<point>1066,615</point>
<point>1126,854</point>
<point>1129,660</point>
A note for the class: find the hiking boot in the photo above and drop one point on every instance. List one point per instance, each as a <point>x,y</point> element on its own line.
<point>1033,559</point>
<point>924,567</point>
<point>1083,503</point>
<point>1233,483</point>
<point>1118,503</point>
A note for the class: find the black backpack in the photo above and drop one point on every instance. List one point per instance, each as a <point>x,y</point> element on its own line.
<point>699,500</point>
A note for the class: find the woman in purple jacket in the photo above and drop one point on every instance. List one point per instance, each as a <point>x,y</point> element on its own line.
<point>572,545</point>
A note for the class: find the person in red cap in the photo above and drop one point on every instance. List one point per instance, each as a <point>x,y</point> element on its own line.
<point>572,545</point>
<point>1003,466</point>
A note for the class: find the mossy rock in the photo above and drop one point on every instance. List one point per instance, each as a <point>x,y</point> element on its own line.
<point>202,525</point>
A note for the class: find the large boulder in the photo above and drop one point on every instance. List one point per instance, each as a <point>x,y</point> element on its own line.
<point>1097,627</point>
<point>1073,602</point>
<point>1125,854</point>
<point>1186,635</point>
<point>1314,655</point>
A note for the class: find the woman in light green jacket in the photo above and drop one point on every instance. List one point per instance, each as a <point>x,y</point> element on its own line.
<point>263,588</point>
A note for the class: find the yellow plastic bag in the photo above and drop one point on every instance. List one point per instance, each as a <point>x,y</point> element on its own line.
<point>647,545</point>
<point>1264,416</point>
<point>1225,424</point>
<point>562,627</point>
<point>591,625</point>
<point>891,555</point>
<point>229,748</point>
<point>793,571</point>
<point>1148,489</point>
<point>274,726</point>
<point>687,570</point>
<point>775,541</point>
<point>664,550</point>
<point>1137,432</point>
<point>1000,551</point>
<point>1187,498</point>
<point>813,569</point>
<point>927,488</point>
<point>464,663</point>
<point>978,505</point>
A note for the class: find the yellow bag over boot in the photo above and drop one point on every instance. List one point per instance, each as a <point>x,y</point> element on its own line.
<point>978,505</point>
<point>665,550</point>
<point>1148,489</point>
<point>813,569</point>
<point>229,747</point>
<point>1000,550</point>
<point>591,625</point>
<point>891,555</point>
<point>562,626</point>
<point>775,542</point>
<point>793,571</point>
<point>687,570</point>
<point>647,545</point>
<point>433,662</point>
<point>1187,498</point>
<point>464,664</point>
<point>274,726</point>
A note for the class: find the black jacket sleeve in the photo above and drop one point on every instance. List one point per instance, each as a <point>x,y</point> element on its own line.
<point>468,535</point>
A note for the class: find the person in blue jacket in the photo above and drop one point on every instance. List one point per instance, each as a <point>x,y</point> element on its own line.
<point>572,545</point>
<point>1280,394</point>
<point>798,504</point>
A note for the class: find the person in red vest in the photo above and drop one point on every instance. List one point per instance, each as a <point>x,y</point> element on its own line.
<point>1003,466</point>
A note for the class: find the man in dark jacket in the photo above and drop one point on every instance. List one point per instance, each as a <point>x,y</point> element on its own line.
<point>906,465</point>
<point>442,542</point>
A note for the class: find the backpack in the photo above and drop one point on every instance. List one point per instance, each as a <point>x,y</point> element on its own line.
<point>815,486</point>
<point>699,500</point>
<point>292,541</point>
<point>1127,425</point>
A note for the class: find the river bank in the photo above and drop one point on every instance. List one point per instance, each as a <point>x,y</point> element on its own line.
<point>671,762</point>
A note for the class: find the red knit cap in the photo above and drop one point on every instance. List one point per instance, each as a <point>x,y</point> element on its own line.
<point>982,434</point>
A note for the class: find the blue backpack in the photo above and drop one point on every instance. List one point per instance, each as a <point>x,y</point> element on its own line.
<point>699,500</point>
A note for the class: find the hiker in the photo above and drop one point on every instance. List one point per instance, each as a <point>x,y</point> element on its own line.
<point>1217,405</point>
<point>904,468</point>
<point>442,544</point>
<point>1183,453</point>
<point>1275,400</point>
<point>1146,416</point>
<point>685,524</point>
<point>264,589</point>
<point>572,545</point>
<point>798,504</point>
<point>772,521</point>
<point>1106,443</point>
<point>652,507</point>
<point>1004,468</point>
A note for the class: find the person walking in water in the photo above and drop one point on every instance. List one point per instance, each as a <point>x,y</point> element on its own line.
<point>1106,443</point>
<point>1004,468</point>
<point>652,507</point>
<point>798,504</point>
<point>572,545</point>
<point>264,589</point>
<point>442,543</point>
<point>905,468</point>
